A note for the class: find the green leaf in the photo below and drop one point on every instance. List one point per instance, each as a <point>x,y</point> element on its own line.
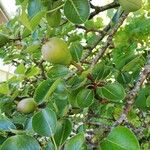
<point>34,7</point>
<point>120,138</point>
<point>57,72</point>
<point>49,146</point>
<point>76,50</point>
<point>100,71</point>
<point>20,69</point>
<point>32,48</point>
<point>54,18</point>
<point>141,99</point>
<point>85,98</point>
<point>4,88</point>
<point>44,122</point>
<point>138,61</point>
<point>112,92</point>
<point>6,125</point>
<point>36,19</point>
<point>45,89</point>
<point>64,128</point>
<point>148,101</point>
<point>75,143</point>
<point>3,39</point>
<point>33,71</point>
<point>20,142</point>
<point>77,11</point>
<point>25,20</point>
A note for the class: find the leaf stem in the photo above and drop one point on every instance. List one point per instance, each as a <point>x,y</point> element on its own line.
<point>55,8</point>
<point>53,140</point>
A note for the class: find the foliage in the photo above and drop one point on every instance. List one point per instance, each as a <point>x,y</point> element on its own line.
<point>79,104</point>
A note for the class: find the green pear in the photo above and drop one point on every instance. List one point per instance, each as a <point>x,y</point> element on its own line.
<point>130,5</point>
<point>27,105</point>
<point>56,51</point>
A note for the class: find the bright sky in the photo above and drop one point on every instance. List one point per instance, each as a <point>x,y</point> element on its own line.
<point>11,9</point>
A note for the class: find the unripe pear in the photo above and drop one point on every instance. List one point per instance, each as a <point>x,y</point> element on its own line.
<point>130,5</point>
<point>27,105</point>
<point>56,51</point>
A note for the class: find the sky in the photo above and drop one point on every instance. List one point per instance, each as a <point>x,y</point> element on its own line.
<point>11,9</point>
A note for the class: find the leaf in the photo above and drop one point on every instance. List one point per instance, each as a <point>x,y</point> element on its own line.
<point>77,11</point>
<point>4,39</point>
<point>138,61</point>
<point>54,18</point>
<point>113,92</point>
<point>120,138</point>
<point>76,50</point>
<point>25,20</point>
<point>20,142</point>
<point>20,69</point>
<point>64,128</point>
<point>148,101</point>
<point>6,125</point>
<point>33,71</point>
<point>49,146</point>
<point>85,98</point>
<point>75,143</point>
<point>44,122</point>
<point>142,98</point>
<point>4,88</point>
<point>32,48</point>
<point>45,89</point>
<point>34,7</point>
<point>100,71</point>
<point>57,72</point>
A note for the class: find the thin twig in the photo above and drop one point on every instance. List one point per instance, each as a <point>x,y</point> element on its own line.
<point>103,8</point>
<point>109,39</point>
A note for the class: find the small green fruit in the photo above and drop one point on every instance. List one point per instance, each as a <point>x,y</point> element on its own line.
<point>27,105</point>
<point>56,51</point>
<point>130,5</point>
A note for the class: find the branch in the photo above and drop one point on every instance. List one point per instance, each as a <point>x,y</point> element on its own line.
<point>133,93</point>
<point>103,8</point>
<point>109,39</point>
<point>101,36</point>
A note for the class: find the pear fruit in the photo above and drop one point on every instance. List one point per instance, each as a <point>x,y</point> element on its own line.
<point>130,5</point>
<point>27,105</point>
<point>56,51</point>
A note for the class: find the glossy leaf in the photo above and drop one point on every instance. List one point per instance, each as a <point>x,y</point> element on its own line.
<point>44,122</point>
<point>20,142</point>
<point>75,143</point>
<point>34,7</point>
<point>6,125</point>
<point>20,69</point>
<point>64,128</point>
<point>148,101</point>
<point>77,11</point>
<point>100,71</point>
<point>42,90</point>
<point>85,98</point>
<point>54,18</point>
<point>57,71</point>
<point>76,51</point>
<point>120,138</point>
<point>112,92</point>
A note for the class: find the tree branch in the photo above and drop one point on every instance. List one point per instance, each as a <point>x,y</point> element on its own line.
<point>103,8</point>
<point>109,39</point>
<point>133,93</point>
